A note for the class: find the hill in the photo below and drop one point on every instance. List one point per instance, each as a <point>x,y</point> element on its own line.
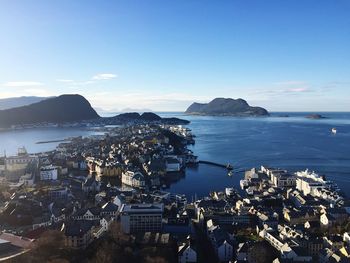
<point>225,107</point>
<point>65,108</point>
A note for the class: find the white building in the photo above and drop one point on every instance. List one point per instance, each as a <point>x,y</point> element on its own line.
<point>49,172</point>
<point>308,182</point>
<point>141,218</point>
<point>134,179</point>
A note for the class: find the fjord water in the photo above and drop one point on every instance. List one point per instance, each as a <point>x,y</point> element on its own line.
<point>293,143</point>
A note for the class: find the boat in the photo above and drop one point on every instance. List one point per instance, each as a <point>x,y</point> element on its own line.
<point>230,173</point>
<point>334,130</point>
<point>229,167</point>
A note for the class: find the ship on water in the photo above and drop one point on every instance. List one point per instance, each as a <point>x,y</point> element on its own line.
<point>334,130</point>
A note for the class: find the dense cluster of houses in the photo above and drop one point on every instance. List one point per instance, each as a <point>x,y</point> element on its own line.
<point>86,185</point>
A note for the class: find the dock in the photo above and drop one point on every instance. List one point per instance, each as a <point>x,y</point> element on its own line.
<point>226,166</point>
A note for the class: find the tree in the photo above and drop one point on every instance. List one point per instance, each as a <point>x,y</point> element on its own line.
<point>49,245</point>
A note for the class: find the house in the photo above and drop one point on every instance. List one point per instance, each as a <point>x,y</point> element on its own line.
<point>106,221</point>
<point>187,253</point>
<point>109,209</point>
<point>221,241</point>
<point>49,172</point>
<point>91,185</point>
<point>301,216</point>
<point>78,233</point>
<point>87,214</point>
<point>334,242</point>
<point>134,179</point>
<point>242,251</point>
<point>327,220</point>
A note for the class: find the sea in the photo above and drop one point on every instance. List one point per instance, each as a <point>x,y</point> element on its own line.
<point>283,140</point>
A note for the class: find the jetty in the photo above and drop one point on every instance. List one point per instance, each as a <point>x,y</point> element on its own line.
<point>226,166</point>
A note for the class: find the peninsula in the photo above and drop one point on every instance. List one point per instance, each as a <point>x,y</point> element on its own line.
<point>71,110</point>
<point>225,107</point>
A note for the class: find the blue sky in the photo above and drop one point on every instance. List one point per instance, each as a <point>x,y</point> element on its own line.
<point>290,55</point>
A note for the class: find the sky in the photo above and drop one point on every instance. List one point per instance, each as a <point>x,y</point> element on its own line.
<point>290,55</point>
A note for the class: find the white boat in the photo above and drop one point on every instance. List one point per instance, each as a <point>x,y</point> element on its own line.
<point>229,191</point>
<point>334,130</point>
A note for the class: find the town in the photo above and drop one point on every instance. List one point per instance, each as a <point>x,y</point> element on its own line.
<point>106,195</point>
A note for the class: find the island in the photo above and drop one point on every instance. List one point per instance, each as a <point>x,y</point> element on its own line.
<point>315,116</point>
<point>226,107</point>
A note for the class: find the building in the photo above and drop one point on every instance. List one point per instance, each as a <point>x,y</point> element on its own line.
<point>282,179</point>
<point>172,164</point>
<point>141,218</point>
<point>187,253</point>
<point>134,179</point>
<point>49,172</point>
<point>16,165</point>
<point>78,234</point>
<point>308,182</point>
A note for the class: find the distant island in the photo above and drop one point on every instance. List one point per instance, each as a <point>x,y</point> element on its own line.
<point>315,116</point>
<point>74,109</point>
<point>225,107</point>
<point>146,117</point>
<point>9,103</point>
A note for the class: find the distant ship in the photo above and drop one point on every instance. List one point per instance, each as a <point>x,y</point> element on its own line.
<point>334,130</point>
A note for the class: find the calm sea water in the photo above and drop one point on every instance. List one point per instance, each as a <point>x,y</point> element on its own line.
<point>10,141</point>
<point>294,143</point>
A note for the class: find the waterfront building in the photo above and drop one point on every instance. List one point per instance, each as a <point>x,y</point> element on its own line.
<point>172,164</point>
<point>141,218</point>
<point>134,179</point>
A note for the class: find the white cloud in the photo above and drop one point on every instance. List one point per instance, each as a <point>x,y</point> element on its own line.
<point>291,83</point>
<point>23,84</point>
<point>104,76</point>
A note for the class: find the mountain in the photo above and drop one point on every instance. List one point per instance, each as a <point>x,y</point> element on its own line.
<point>226,107</point>
<point>65,108</point>
<point>9,103</point>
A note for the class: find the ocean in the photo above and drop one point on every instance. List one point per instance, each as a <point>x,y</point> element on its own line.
<point>293,143</point>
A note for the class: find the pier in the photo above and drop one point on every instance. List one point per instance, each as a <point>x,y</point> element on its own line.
<point>226,166</point>
<point>52,141</point>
